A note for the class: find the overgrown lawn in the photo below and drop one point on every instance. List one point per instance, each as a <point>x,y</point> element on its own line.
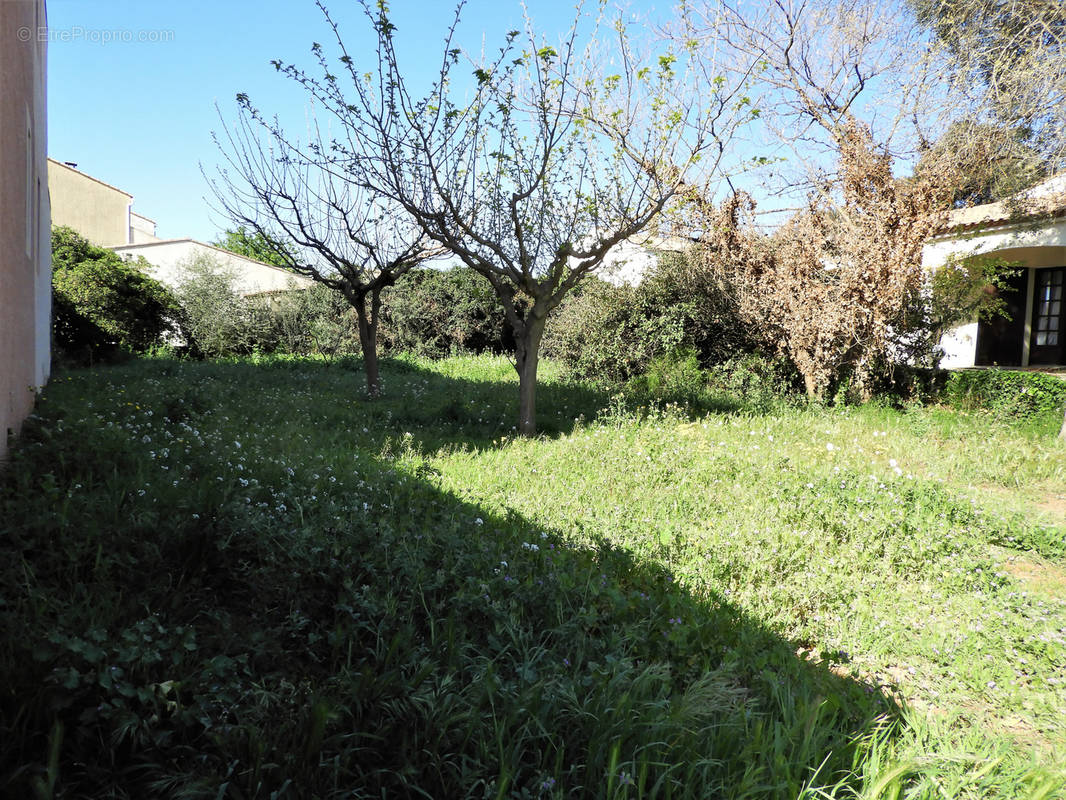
<point>247,580</point>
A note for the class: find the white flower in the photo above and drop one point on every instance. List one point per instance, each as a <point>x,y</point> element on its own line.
<point>479,521</point>
<point>830,446</point>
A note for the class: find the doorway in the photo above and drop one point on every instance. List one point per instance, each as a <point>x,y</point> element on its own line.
<point>1046,346</point>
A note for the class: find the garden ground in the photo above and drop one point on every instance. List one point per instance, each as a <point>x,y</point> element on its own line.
<point>244,579</point>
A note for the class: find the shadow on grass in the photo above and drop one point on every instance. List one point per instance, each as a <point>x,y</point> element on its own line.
<point>441,409</point>
<point>299,628</point>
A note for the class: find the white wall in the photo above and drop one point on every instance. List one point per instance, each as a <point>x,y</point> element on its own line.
<point>142,229</point>
<point>629,261</point>
<point>168,256</point>
<point>626,262</point>
<point>959,346</point>
<point>1008,237</point>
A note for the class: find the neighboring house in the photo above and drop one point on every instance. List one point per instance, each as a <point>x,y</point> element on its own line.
<point>167,256</point>
<point>100,212</point>
<point>629,261</point>
<point>1029,229</point>
<point>25,238</point>
<point>104,215</point>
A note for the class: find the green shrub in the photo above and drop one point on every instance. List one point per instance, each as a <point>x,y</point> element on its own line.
<point>907,383</point>
<point>748,383</point>
<point>712,325</point>
<point>218,321</point>
<point>315,321</point>
<point>428,312</point>
<point>609,334</point>
<point>674,378</point>
<point>434,313</point>
<point>760,383</point>
<point>1018,395</point>
<point>103,306</point>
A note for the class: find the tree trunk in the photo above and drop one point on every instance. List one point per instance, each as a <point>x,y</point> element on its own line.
<point>811,385</point>
<point>527,357</point>
<point>368,342</point>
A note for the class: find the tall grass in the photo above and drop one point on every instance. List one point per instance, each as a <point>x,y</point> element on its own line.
<point>245,579</point>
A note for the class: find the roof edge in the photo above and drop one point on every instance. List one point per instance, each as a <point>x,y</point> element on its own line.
<point>218,249</point>
<point>90,177</point>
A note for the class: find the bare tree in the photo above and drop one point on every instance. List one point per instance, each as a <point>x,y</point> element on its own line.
<point>307,205</point>
<point>821,63</point>
<point>534,167</point>
<point>1005,62</point>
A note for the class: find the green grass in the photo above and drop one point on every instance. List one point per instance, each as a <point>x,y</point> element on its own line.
<point>246,580</point>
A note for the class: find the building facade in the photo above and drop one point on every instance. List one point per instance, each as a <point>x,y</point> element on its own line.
<point>104,215</point>
<point>98,211</point>
<point>25,230</point>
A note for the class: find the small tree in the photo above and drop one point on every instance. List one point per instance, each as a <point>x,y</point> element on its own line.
<point>308,207</point>
<point>217,320</point>
<point>966,288</point>
<point>545,164</point>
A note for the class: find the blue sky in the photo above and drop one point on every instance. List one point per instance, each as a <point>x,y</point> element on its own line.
<point>133,86</point>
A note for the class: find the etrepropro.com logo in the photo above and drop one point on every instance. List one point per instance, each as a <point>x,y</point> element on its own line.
<point>77,33</point>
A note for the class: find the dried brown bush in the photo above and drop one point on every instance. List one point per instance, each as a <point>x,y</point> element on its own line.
<point>838,288</point>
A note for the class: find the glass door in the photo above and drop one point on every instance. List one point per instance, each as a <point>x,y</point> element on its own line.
<point>1046,346</point>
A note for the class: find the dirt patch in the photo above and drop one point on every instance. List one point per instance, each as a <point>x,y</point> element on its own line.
<point>1022,730</point>
<point>1047,579</point>
<point>1055,505</point>
<point>914,690</point>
